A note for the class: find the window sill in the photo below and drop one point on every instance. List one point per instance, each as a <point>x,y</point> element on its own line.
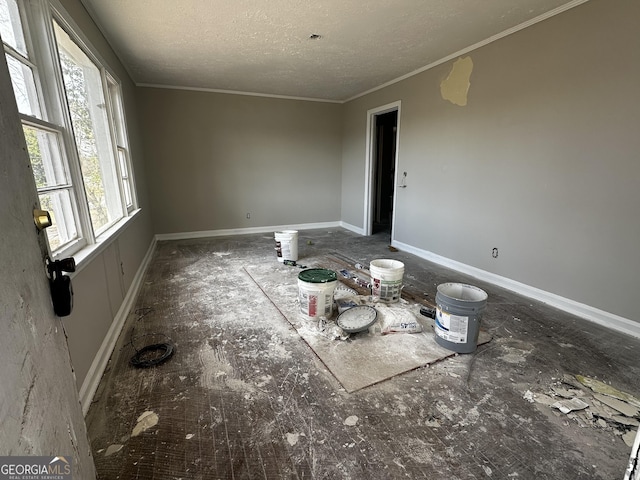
<point>87,254</point>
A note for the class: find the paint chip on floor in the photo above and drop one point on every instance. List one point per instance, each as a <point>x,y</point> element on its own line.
<point>293,438</point>
<point>146,420</point>
<point>566,406</point>
<point>351,421</point>
<point>115,448</point>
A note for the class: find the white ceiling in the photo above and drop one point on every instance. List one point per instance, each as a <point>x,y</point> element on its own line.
<point>263,46</point>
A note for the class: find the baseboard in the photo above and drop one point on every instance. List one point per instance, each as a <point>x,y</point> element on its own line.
<point>633,469</point>
<point>601,317</point>
<point>243,231</point>
<point>94,375</point>
<point>353,228</point>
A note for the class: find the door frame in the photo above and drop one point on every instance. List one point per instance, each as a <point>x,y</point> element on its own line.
<point>370,162</point>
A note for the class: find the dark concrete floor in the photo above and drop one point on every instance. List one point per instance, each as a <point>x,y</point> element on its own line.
<point>244,397</point>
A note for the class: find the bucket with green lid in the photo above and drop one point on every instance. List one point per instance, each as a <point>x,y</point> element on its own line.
<point>315,292</point>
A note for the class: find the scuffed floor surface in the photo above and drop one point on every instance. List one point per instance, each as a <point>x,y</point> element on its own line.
<point>243,397</point>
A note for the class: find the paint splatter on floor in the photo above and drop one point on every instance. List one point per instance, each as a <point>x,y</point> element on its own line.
<point>244,397</point>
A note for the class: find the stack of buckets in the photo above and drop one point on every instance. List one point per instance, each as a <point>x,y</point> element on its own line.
<point>315,285</point>
<point>287,245</point>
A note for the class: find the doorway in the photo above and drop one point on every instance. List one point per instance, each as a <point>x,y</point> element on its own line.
<point>384,171</point>
<point>382,144</point>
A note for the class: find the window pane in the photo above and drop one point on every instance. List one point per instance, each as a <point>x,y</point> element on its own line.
<point>46,161</point>
<point>11,26</point>
<point>115,96</point>
<point>116,108</point>
<point>124,171</point>
<point>24,87</point>
<point>86,100</point>
<point>63,230</point>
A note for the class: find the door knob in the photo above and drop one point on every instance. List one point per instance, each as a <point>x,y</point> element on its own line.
<point>42,219</point>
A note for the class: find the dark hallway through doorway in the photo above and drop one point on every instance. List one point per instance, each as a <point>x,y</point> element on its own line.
<point>384,171</point>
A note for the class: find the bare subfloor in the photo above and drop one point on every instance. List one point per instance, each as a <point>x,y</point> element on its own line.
<point>244,397</point>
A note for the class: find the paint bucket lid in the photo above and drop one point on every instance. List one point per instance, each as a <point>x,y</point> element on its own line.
<point>342,291</point>
<point>318,275</point>
<point>357,319</point>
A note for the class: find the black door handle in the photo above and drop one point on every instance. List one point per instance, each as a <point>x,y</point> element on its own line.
<point>60,284</point>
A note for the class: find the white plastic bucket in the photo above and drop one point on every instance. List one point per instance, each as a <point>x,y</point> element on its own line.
<point>386,279</point>
<point>315,292</point>
<point>287,245</point>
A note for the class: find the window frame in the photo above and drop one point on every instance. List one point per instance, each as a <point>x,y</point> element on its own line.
<point>80,241</point>
<point>37,19</point>
<point>116,112</point>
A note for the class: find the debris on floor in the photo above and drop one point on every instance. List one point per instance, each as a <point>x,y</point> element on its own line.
<point>399,317</point>
<point>293,438</point>
<point>145,421</point>
<point>566,406</point>
<point>600,387</point>
<point>250,371</point>
<point>351,421</point>
<point>115,448</point>
<point>591,402</point>
<point>329,329</point>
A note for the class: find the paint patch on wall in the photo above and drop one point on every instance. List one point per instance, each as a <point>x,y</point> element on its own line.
<point>456,86</point>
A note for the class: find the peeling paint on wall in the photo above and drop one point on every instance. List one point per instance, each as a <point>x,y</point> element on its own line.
<point>456,86</point>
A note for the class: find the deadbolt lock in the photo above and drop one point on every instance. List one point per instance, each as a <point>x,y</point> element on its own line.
<point>42,219</point>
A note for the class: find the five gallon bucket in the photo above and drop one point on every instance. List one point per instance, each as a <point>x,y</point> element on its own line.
<point>287,245</point>
<point>458,313</point>
<point>315,292</point>
<point>386,279</point>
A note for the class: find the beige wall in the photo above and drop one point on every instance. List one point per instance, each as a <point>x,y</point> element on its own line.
<point>542,162</point>
<point>213,158</point>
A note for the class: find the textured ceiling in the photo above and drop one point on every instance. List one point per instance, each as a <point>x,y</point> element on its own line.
<point>263,46</point>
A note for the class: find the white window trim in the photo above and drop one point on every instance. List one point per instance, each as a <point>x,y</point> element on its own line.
<point>125,140</point>
<point>37,17</point>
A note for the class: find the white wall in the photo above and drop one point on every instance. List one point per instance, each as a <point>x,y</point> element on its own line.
<point>542,162</point>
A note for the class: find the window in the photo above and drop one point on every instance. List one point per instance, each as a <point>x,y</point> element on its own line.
<point>73,122</point>
<point>52,181</point>
<point>121,142</point>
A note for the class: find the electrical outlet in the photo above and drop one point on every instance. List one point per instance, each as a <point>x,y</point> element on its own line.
<point>248,215</point>
<point>494,252</point>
